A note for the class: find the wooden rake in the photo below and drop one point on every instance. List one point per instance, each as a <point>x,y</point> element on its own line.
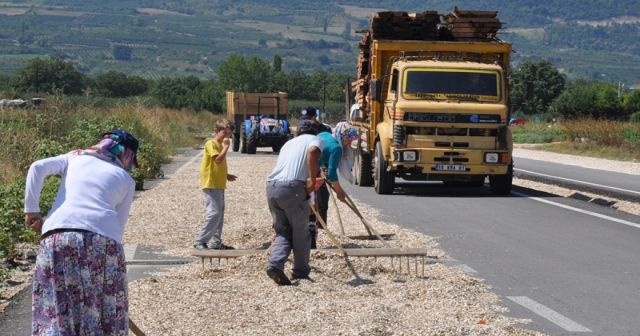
<point>372,233</point>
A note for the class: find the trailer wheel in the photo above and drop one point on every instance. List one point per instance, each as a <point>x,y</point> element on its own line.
<point>236,142</point>
<point>501,184</point>
<point>252,141</point>
<point>384,181</point>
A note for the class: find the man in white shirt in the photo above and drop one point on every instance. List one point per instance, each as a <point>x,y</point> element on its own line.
<point>288,186</point>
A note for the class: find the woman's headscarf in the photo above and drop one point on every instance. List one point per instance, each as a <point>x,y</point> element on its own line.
<point>116,146</point>
<point>345,131</point>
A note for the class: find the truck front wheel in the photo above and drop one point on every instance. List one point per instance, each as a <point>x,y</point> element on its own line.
<point>383,181</point>
<point>501,184</point>
<point>243,142</point>
<point>236,142</point>
<point>252,141</point>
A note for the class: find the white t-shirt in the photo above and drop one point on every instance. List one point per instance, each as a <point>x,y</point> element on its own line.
<point>292,161</point>
<point>94,194</point>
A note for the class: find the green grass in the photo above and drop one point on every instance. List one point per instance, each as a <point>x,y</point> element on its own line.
<point>595,138</point>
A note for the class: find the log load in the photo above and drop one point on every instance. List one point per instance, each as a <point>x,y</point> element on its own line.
<point>459,25</point>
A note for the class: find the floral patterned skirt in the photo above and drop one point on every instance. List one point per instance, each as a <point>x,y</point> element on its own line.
<point>80,286</point>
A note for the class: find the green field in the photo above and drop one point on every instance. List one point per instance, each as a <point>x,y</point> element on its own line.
<point>193,37</point>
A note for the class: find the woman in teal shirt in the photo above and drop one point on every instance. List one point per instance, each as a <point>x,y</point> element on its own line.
<point>336,156</point>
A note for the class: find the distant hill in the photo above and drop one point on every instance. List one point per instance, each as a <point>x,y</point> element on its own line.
<point>595,39</point>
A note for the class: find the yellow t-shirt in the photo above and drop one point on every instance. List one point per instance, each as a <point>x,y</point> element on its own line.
<point>212,175</point>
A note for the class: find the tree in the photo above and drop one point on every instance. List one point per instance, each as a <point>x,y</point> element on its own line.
<point>589,99</point>
<point>277,63</point>
<point>631,102</point>
<point>258,74</point>
<point>189,92</point>
<point>5,85</point>
<point>534,85</point>
<point>238,74</point>
<point>117,84</point>
<point>46,75</point>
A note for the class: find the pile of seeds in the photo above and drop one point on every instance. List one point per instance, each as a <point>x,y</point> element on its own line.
<point>365,296</point>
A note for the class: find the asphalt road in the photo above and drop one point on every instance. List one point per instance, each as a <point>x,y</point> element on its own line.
<point>618,185</point>
<point>569,266</point>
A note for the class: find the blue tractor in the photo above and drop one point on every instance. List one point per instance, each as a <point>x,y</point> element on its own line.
<point>261,120</point>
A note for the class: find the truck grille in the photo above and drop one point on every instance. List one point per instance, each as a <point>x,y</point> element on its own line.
<point>453,118</point>
<point>483,132</point>
<point>454,145</point>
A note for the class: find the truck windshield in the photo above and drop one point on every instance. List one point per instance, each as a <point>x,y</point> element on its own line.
<point>444,84</point>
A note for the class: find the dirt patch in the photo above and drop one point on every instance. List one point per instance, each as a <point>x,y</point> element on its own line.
<point>158,11</point>
<point>13,10</point>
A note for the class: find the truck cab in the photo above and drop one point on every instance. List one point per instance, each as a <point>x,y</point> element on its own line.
<point>442,120</point>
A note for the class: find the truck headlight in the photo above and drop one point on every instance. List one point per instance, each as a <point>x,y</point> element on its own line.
<point>409,156</point>
<point>491,157</point>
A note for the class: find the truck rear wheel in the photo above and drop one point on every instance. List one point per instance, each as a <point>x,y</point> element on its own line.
<point>362,169</point>
<point>501,184</point>
<point>383,181</point>
<point>278,145</point>
<point>236,142</point>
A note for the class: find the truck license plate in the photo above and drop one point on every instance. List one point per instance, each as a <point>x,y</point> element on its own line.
<point>451,167</point>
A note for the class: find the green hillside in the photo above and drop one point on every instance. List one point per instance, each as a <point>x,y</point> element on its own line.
<point>590,39</point>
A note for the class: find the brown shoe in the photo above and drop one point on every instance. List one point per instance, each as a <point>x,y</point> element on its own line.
<point>278,276</point>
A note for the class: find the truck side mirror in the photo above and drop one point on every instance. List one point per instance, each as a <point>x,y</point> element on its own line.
<point>375,87</point>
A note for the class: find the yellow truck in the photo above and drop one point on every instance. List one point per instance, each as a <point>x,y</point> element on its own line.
<point>432,101</point>
<point>260,118</point>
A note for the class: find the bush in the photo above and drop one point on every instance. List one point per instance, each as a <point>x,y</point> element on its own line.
<point>46,148</point>
<point>13,228</point>
<point>150,159</point>
<point>64,125</point>
<point>635,117</point>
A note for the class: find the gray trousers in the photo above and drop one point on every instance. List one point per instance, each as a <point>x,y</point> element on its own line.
<point>290,212</point>
<point>211,231</point>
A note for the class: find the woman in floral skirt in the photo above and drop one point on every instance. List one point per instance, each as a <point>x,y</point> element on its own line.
<point>80,282</point>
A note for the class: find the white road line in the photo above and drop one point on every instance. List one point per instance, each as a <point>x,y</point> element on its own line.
<point>578,181</point>
<point>130,251</point>
<point>549,314</point>
<point>590,213</point>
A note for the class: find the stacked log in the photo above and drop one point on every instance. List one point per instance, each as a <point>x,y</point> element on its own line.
<point>405,26</point>
<point>472,25</point>
<point>361,85</point>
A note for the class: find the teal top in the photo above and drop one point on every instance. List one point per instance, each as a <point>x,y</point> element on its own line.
<point>331,155</point>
